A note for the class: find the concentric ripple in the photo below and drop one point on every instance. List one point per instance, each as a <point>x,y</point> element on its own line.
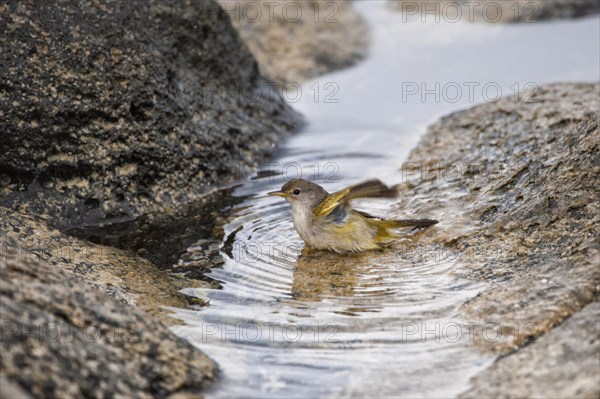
<point>379,324</point>
<point>287,324</point>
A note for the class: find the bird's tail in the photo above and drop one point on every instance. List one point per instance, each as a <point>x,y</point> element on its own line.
<point>385,227</point>
<point>394,224</point>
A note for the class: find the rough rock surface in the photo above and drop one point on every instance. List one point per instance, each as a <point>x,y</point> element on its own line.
<point>116,120</point>
<point>62,338</point>
<point>568,364</point>
<point>125,275</point>
<point>508,11</point>
<point>514,185</point>
<point>110,110</point>
<point>294,40</point>
<point>163,237</point>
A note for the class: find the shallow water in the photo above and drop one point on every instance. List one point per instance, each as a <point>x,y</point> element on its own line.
<point>382,323</point>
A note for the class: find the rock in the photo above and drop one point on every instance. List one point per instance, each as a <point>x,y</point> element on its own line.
<point>9,389</point>
<point>199,259</point>
<point>295,40</point>
<point>514,185</point>
<point>560,9</point>
<point>564,364</point>
<point>515,11</point>
<point>163,237</point>
<point>117,109</point>
<point>124,275</point>
<point>118,121</point>
<point>62,338</point>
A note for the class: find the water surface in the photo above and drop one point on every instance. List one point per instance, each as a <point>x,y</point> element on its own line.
<point>379,324</point>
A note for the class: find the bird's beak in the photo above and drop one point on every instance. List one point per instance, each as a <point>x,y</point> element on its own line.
<point>277,194</point>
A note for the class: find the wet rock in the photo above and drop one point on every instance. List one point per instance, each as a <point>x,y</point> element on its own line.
<point>514,185</point>
<point>566,359</point>
<point>199,258</point>
<point>112,110</point>
<point>163,237</point>
<point>514,11</point>
<point>62,338</point>
<point>9,389</point>
<point>294,40</point>
<point>124,275</point>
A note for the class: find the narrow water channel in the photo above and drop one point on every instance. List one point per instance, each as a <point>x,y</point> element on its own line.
<point>376,324</point>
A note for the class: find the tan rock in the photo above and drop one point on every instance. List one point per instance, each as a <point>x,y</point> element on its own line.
<point>524,216</point>
<point>294,40</point>
<point>64,338</point>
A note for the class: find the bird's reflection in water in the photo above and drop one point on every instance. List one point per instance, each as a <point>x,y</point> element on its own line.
<point>323,274</point>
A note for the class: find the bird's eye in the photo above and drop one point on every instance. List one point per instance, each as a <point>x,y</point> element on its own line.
<point>297,191</point>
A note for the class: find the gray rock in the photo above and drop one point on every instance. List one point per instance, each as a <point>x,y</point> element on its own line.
<point>10,390</point>
<point>116,109</point>
<point>564,364</point>
<point>514,185</point>
<point>162,237</point>
<point>115,118</point>
<point>62,338</point>
<point>560,9</point>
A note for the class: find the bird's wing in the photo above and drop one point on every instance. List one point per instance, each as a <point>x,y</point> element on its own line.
<point>366,215</point>
<point>369,189</point>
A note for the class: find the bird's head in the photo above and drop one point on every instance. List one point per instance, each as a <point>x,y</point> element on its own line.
<point>302,194</point>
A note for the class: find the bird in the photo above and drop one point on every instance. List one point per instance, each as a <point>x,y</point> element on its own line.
<point>327,221</point>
